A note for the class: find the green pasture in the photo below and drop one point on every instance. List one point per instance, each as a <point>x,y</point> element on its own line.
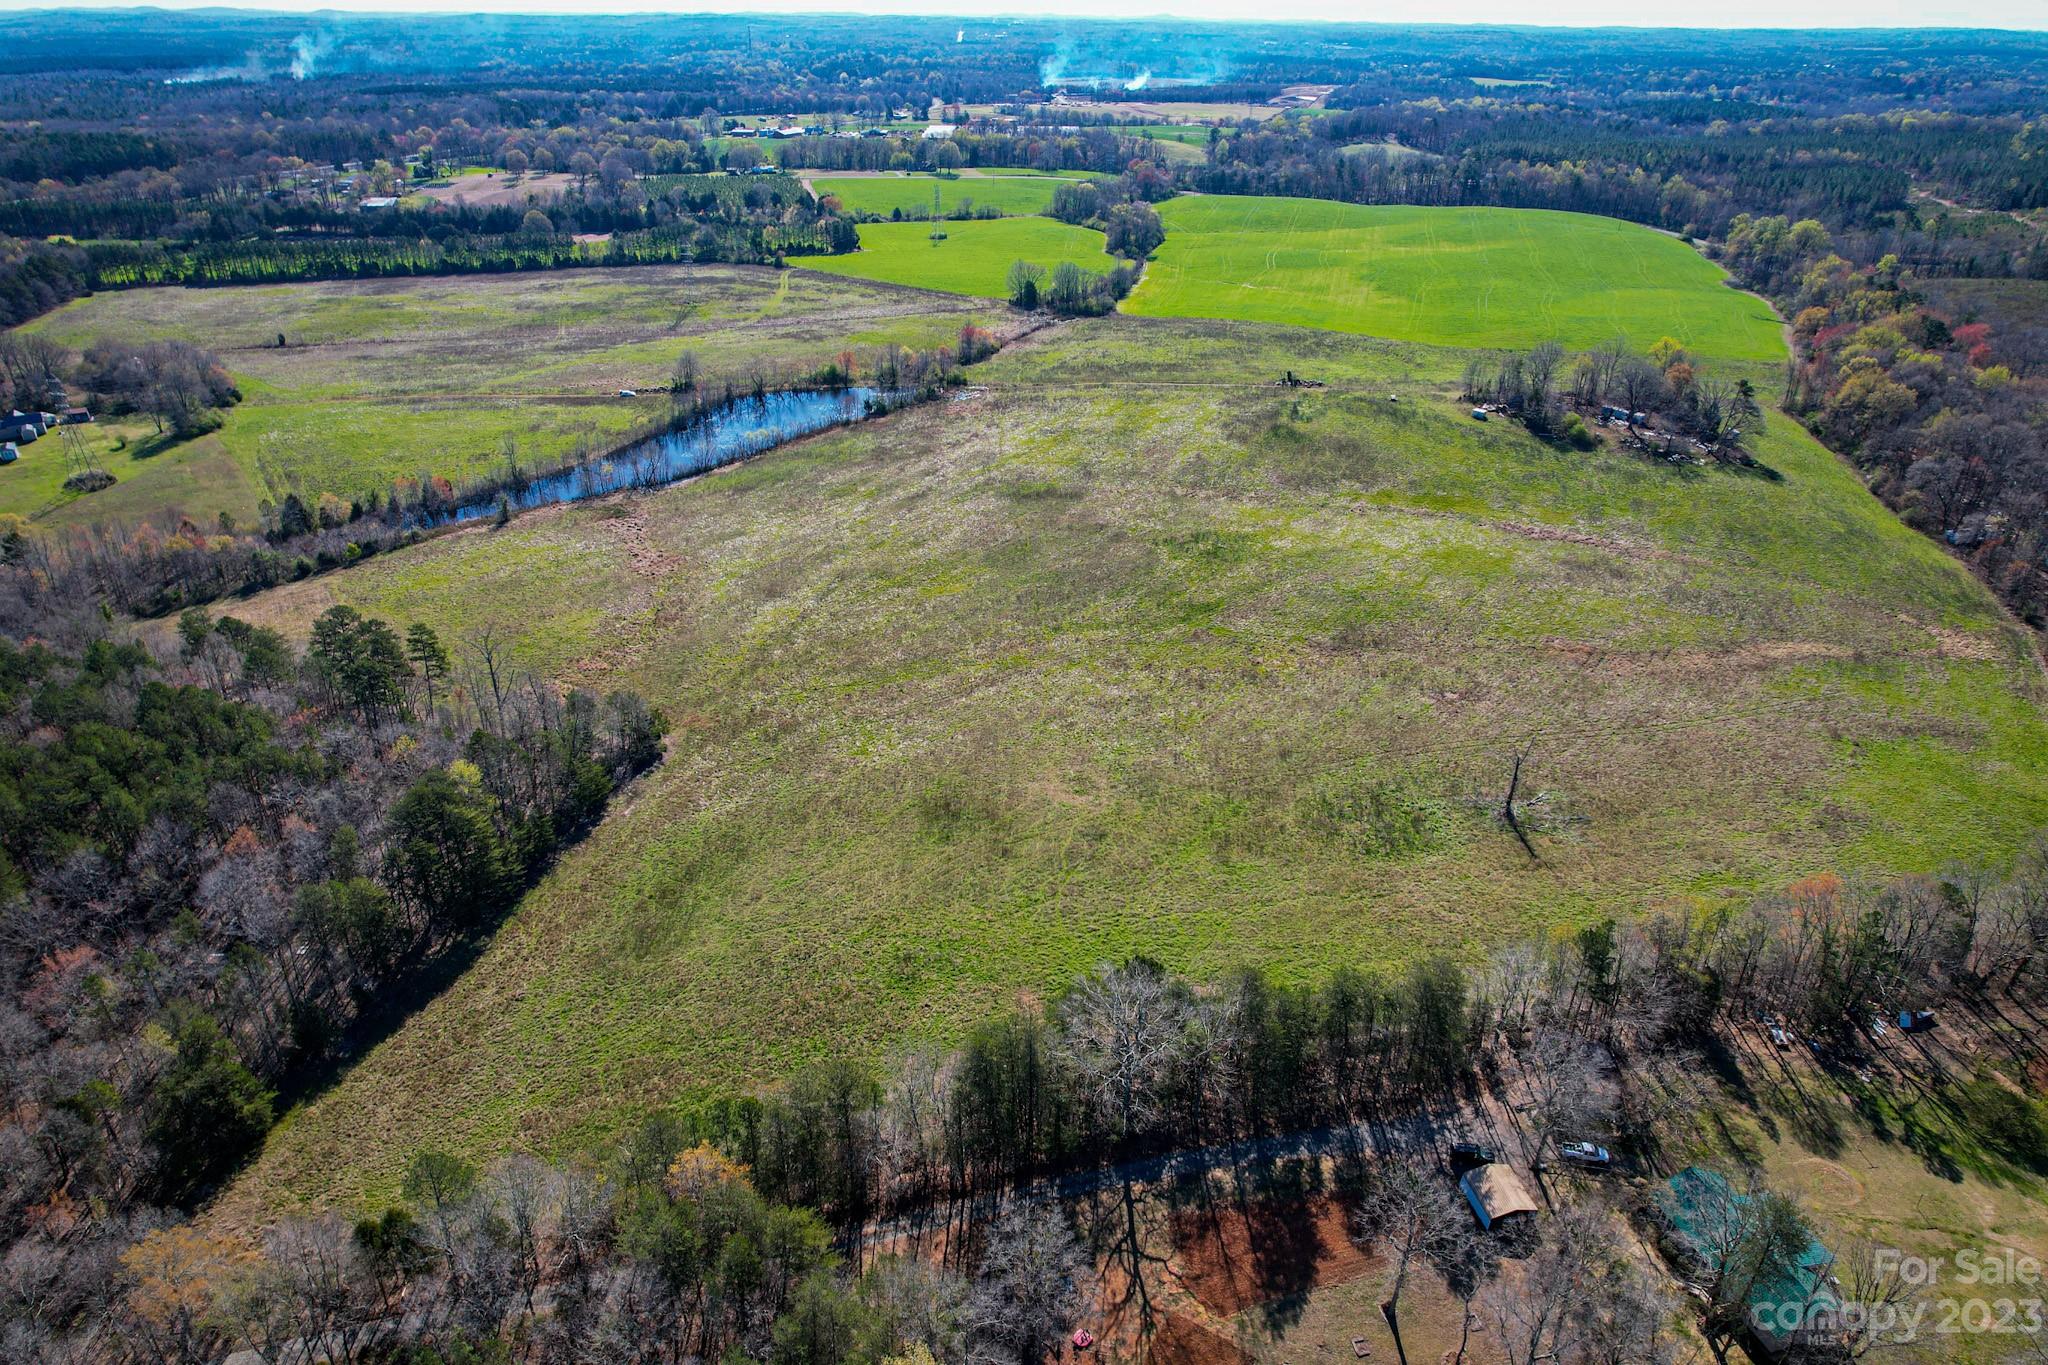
<point>884,194</point>
<point>1194,134</point>
<point>1481,277</point>
<point>974,258</point>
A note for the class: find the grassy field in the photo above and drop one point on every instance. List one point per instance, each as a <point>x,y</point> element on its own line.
<point>1466,277</point>
<point>1196,135</point>
<point>973,259</point>
<point>1010,194</point>
<point>1136,651</point>
<point>393,379</point>
<point>150,472</point>
<point>1026,170</point>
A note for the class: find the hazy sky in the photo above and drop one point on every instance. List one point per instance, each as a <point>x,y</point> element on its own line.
<point>2026,14</point>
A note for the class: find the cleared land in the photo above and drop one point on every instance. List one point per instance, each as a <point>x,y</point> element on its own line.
<point>1008,194</point>
<point>1464,277</point>
<point>392,379</point>
<point>1136,651</point>
<point>492,189</point>
<point>974,258</point>
<point>1169,111</point>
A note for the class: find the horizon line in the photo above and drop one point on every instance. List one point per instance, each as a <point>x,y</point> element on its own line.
<point>1065,11</point>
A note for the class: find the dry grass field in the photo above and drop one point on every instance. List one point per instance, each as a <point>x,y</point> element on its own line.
<point>493,189</point>
<point>1134,650</point>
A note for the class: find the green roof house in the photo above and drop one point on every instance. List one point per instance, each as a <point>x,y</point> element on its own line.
<point>1788,1300</point>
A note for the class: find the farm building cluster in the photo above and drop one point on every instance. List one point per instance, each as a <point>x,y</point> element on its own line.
<point>19,428</point>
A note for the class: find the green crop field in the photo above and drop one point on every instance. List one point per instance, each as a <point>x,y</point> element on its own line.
<point>1137,651</point>
<point>396,379</point>
<point>973,259</point>
<point>882,194</point>
<point>1465,277</point>
<point>1193,133</point>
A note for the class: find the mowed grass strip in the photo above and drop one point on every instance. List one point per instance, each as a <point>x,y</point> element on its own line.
<point>1011,195</point>
<point>974,258</point>
<point>1455,277</point>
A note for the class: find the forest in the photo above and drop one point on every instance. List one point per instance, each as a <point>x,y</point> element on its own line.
<point>228,874</point>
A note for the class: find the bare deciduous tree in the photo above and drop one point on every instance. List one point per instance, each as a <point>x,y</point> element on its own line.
<point>1412,1211</point>
<point>1125,1031</point>
<point>1024,1298</point>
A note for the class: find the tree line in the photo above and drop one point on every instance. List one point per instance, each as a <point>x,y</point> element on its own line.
<point>1940,410</point>
<point>756,1223</point>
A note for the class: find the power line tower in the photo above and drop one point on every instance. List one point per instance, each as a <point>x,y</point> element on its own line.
<point>938,223</point>
<point>77,458</point>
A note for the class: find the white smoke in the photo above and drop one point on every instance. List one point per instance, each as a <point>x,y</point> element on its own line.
<point>1141,80</point>
<point>251,71</point>
<point>308,53</point>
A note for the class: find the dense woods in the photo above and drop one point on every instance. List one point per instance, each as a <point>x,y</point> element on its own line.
<point>226,867</point>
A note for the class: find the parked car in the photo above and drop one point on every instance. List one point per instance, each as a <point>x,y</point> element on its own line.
<point>629,393</point>
<point>1589,1155</point>
<point>1780,1037</point>
<point>1465,1155</point>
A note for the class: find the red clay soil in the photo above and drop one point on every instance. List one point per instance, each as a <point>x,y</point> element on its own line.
<point>1234,1256</point>
<point>1183,1341</point>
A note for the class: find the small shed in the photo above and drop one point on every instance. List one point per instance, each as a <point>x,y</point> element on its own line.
<point>1916,1021</point>
<point>1495,1192</point>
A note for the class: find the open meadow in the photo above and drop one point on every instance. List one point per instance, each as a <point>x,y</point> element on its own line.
<point>1134,650</point>
<point>393,379</point>
<point>1009,195</point>
<point>1459,277</point>
<point>974,257</point>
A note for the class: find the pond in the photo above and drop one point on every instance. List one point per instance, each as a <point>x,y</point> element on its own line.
<point>720,436</point>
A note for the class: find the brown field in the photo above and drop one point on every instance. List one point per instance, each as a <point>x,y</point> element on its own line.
<point>496,189</point>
